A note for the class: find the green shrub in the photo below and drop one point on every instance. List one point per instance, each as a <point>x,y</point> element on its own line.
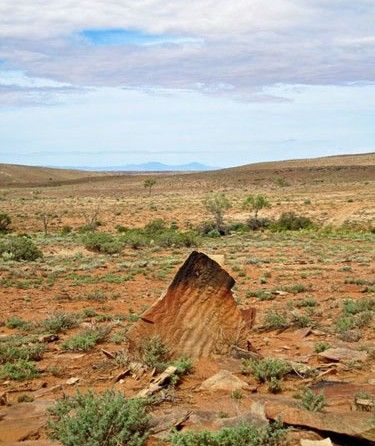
<point>351,307</point>
<point>242,435</point>
<point>14,348</point>
<point>86,340</point>
<point>289,221</point>
<point>59,322</point>
<point>107,419</point>
<point>256,224</point>
<point>102,242</point>
<point>66,229</point>
<point>275,320</point>
<point>20,370</point>
<point>154,353</point>
<point>19,248</point>
<point>321,346</point>
<point>264,370</point>
<point>312,402</point>
<point>5,222</point>
<point>16,322</point>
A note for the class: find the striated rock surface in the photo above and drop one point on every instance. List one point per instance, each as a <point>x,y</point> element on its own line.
<point>197,316</point>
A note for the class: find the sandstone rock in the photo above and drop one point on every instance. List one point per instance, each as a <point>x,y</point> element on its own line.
<point>343,355</point>
<point>325,442</point>
<point>353,424</point>
<point>225,381</point>
<point>73,380</point>
<point>197,316</point>
<point>23,421</point>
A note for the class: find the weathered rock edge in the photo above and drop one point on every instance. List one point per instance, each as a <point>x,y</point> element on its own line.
<point>197,316</point>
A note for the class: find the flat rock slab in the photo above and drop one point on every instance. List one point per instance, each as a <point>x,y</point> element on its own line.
<point>225,381</point>
<point>197,316</point>
<point>353,424</point>
<point>343,355</point>
<point>23,421</point>
<point>325,442</point>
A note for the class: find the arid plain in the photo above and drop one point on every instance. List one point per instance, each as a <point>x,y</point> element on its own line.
<point>313,291</point>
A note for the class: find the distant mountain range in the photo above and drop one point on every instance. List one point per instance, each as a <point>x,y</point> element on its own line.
<point>151,167</point>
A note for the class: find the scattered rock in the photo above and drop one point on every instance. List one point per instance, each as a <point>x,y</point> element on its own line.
<point>72,381</point>
<point>224,380</point>
<point>160,423</point>
<point>343,355</point>
<point>48,338</point>
<point>197,316</point>
<point>158,383</point>
<point>108,354</point>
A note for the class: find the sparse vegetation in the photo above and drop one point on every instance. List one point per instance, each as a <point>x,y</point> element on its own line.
<point>312,402</point>
<point>107,419</point>
<point>86,340</point>
<point>242,435</point>
<point>19,248</point>
<point>217,205</point>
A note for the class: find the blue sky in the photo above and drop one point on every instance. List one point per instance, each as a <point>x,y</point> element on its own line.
<point>223,84</point>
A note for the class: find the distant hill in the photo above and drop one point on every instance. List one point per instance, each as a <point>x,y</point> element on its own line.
<point>153,167</point>
<point>360,167</point>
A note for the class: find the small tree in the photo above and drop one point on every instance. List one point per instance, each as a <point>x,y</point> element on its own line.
<point>217,204</point>
<point>149,184</point>
<point>256,203</point>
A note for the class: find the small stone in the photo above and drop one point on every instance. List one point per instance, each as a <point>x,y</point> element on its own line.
<point>72,381</point>
<point>224,380</point>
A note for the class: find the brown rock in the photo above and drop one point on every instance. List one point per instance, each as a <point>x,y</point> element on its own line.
<point>325,442</point>
<point>225,381</point>
<point>343,355</point>
<point>23,421</point>
<point>352,424</point>
<point>197,316</point>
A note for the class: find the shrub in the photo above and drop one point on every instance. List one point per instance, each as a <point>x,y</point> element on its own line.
<point>242,435</point>
<point>59,322</point>
<point>312,402</point>
<point>289,221</point>
<point>264,370</point>
<point>321,346</point>
<point>5,222</point>
<point>255,224</point>
<point>16,322</point>
<point>86,340</point>
<point>14,348</point>
<point>19,248</point>
<point>20,370</point>
<point>66,229</point>
<point>217,205</point>
<point>108,419</point>
<point>275,320</point>
<point>102,242</point>
<point>256,203</point>
<point>154,353</point>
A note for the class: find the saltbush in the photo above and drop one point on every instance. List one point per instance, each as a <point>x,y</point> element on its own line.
<point>19,248</point>
<point>102,242</point>
<point>242,435</point>
<point>108,419</point>
<point>289,221</point>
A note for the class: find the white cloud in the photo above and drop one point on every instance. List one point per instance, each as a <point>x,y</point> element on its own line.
<point>246,45</point>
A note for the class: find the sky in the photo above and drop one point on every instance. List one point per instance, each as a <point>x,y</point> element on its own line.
<point>115,82</point>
